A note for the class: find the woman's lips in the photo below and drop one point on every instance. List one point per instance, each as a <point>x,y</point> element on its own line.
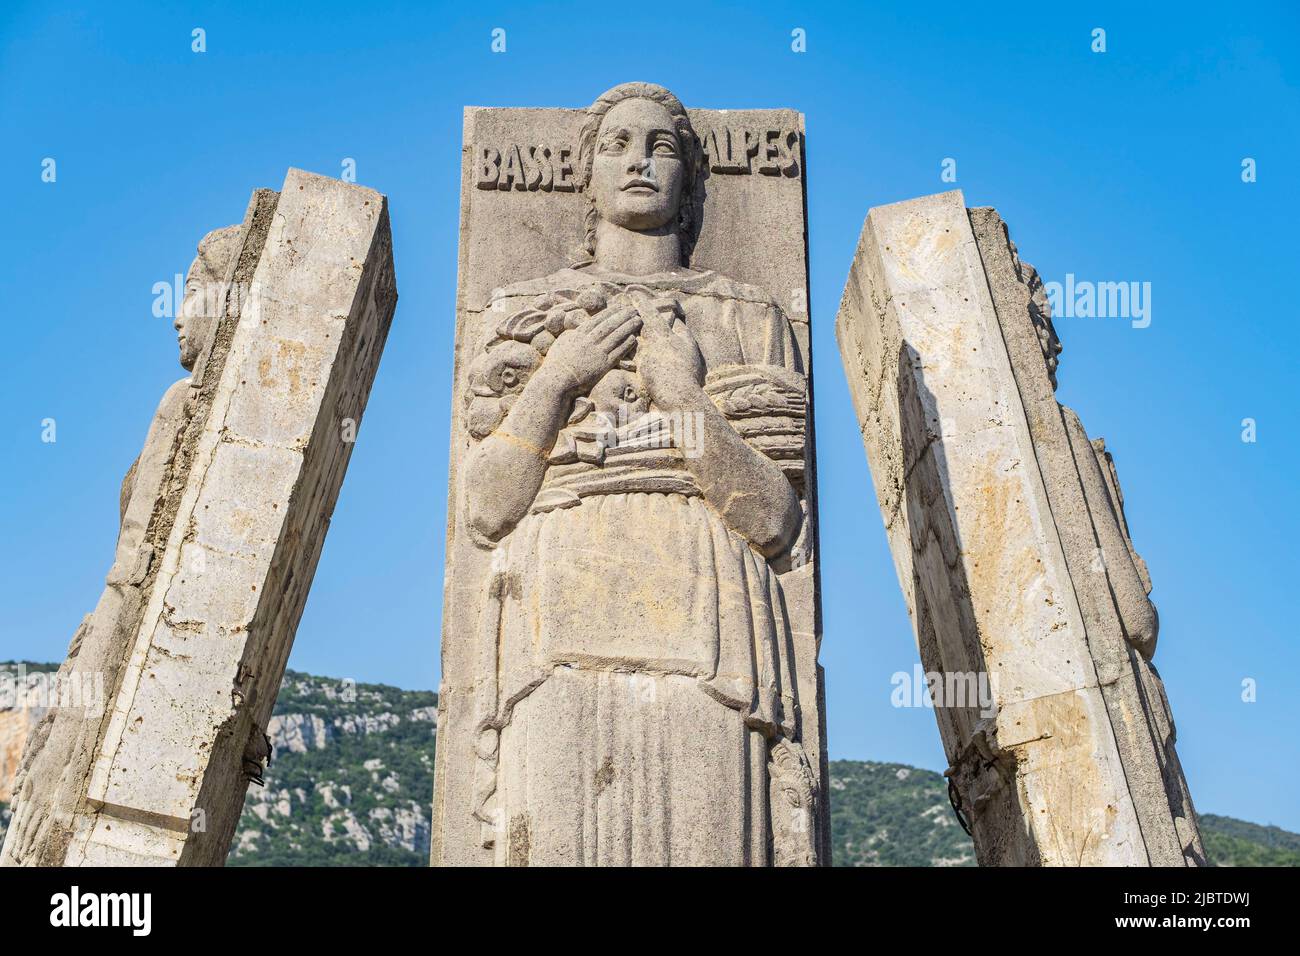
<point>640,185</point>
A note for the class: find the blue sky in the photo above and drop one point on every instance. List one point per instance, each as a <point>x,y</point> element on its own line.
<point>1115,166</point>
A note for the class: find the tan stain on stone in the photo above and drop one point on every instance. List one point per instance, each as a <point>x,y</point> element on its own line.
<point>15,725</point>
<point>517,848</point>
<point>1057,771</point>
<point>287,361</point>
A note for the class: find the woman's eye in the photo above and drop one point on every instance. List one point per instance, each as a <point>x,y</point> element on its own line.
<point>665,148</point>
<point>612,146</point>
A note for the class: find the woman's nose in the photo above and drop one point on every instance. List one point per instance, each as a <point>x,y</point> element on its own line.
<point>638,164</point>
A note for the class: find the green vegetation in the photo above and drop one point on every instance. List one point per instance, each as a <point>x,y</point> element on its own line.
<point>1231,842</point>
<point>889,814</point>
<point>350,782</point>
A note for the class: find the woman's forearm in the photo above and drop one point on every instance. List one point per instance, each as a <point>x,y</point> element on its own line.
<point>747,488</point>
<point>507,469</point>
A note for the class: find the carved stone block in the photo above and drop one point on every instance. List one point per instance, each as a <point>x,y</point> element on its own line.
<point>1010,544</point>
<point>224,516</point>
<point>630,622</point>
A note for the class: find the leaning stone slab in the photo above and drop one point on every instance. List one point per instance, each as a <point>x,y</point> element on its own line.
<point>630,624</point>
<point>1008,535</point>
<point>224,516</point>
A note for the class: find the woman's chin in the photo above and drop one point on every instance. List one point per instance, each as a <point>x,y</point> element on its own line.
<point>641,217</point>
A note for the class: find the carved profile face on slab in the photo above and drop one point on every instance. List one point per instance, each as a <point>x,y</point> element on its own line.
<point>1040,313</point>
<point>203,293</point>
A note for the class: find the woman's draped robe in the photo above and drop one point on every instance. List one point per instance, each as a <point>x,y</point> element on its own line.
<point>640,705</point>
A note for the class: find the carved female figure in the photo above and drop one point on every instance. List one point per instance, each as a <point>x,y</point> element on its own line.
<point>61,747</point>
<point>639,425</point>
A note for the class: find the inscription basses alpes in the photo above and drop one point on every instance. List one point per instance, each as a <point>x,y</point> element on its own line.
<point>728,151</point>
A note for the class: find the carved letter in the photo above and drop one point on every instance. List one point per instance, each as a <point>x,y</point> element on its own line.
<point>512,170</point>
<point>488,168</point>
<point>541,157</point>
<point>564,170</point>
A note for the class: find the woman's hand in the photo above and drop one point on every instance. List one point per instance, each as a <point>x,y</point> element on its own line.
<point>508,467</point>
<point>582,355</point>
<point>668,359</point>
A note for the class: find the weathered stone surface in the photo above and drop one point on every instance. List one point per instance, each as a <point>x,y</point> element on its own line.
<point>630,619</point>
<point>1110,578</point>
<point>1007,530</point>
<point>224,515</point>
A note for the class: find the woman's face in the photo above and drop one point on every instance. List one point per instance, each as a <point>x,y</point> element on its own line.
<point>637,169</point>
<point>192,319</point>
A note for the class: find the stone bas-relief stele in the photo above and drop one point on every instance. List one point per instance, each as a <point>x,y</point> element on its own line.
<point>1008,533</point>
<point>223,517</point>
<point>630,618</point>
